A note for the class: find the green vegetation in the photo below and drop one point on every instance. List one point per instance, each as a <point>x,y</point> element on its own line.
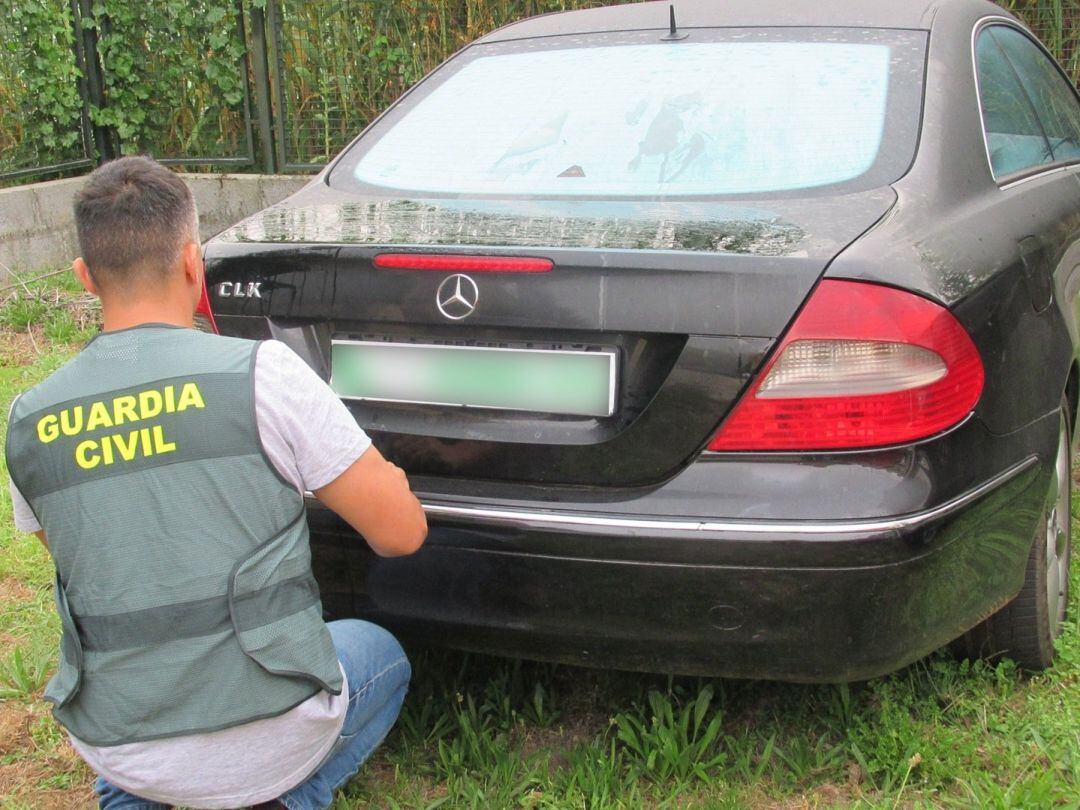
<point>481,732</point>
<point>1057,23</point>
<point>379,50</point>
<point>40,107</point>
<point>173,76</point>
<point>174,71</point>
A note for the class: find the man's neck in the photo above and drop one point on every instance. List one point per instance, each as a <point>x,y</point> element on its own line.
<point>116,315</point>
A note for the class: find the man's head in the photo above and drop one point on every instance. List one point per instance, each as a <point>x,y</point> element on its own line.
<point>137,229</point>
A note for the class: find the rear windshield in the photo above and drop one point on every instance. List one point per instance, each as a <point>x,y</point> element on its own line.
<point>728,112</point>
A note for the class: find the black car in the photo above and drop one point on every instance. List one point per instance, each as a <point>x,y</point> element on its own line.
<point>729,338</point>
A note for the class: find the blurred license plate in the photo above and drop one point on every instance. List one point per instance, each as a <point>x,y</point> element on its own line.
<point>562,382</point>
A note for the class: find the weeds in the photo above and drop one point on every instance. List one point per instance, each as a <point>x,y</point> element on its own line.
<point>23,674</point>
<point>55,306</point>
<point>668,743</point>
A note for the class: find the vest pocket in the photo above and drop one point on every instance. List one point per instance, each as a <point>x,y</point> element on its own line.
<point>276,613</point>
<point>64,685</point>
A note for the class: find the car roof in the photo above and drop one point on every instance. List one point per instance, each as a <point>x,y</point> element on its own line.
<point>911,14</point>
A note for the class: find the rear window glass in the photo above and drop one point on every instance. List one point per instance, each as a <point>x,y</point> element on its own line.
<point>743,113</point>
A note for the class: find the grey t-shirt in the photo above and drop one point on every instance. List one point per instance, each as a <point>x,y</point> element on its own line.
<point>311,439</point>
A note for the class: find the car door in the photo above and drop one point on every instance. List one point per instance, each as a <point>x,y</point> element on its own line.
<point>1031,126</point>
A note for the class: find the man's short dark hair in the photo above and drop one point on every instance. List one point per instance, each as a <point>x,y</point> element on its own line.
<point>133,217</point>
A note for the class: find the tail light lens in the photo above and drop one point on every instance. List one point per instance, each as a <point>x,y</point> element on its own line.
<point>862,366</point>
<point>204,316</point>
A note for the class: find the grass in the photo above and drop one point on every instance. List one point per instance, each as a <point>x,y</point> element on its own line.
<point>482,732</point>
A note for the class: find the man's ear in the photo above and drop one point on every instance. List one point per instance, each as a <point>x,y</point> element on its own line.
<point>82,273</point>
<point>191,258</point>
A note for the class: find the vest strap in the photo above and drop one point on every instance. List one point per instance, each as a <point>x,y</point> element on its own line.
<point>199,617</point>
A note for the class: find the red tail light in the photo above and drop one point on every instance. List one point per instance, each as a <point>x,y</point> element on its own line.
<point>463,263</point>
<point>204,316</point>
<point>862,366</point>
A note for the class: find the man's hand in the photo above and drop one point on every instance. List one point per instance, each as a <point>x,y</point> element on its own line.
<point>373,497</point>
<point>40,534</point>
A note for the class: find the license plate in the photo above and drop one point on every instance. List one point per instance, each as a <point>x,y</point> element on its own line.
<point>575,383</point>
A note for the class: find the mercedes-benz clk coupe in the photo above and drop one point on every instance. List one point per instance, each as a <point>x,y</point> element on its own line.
<point>728,338</point>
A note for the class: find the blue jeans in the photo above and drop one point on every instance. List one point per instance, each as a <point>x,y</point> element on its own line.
<point>378,674</point>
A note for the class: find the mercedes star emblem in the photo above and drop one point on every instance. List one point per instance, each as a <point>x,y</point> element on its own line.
<point>457,296</point>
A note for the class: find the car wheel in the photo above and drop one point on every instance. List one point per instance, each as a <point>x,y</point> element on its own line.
<point>1025,629</point>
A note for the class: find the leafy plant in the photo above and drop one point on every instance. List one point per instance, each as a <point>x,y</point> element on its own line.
<point>673,743</point>
<point>23,673</point>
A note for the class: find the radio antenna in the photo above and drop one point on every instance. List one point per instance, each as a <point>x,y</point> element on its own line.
<point>673,34</point>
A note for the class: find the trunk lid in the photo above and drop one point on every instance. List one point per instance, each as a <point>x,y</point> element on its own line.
<point>688,296</point>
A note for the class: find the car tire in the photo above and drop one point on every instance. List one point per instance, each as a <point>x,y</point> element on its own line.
<point>1024,630</point>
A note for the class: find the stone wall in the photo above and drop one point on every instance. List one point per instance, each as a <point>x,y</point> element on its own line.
<point>37,229</point>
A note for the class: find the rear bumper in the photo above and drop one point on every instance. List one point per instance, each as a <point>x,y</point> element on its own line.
<point>806,600</point>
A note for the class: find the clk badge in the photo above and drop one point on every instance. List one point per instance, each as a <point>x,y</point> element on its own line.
<point>236,289</point>
<point>457,297</point>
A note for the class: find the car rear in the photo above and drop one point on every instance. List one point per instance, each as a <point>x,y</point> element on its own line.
<point>573,286</point>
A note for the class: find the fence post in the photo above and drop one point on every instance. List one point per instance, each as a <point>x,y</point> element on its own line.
<point>105,141</point>
<point>89,147</point>
<point>263,106</point>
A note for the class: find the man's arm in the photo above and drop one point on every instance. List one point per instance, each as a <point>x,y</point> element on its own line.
<point>314,442</point>
<point>373,497</point>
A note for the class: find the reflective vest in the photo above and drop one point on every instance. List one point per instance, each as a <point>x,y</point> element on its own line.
<point>183,571</point>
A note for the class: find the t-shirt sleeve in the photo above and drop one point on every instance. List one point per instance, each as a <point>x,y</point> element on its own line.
<point>306,431</point>
<point>25,519</point>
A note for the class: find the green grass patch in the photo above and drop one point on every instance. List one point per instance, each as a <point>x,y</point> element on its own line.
<point>53,304</point>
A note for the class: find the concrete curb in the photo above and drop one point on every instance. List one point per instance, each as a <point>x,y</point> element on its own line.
<point>37,228</point>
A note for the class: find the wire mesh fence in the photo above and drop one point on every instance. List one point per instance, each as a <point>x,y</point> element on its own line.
<point>278,85</point>
<point>174,77</point>
<point>43,123</point>
<point>1057,24</point>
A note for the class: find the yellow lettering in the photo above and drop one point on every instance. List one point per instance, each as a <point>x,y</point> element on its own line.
<point>170,399</point>
<point>71,421</point>
<point>190,397</point>
<point>149,404</point>
<point>144,438</point>
<point>107,450</point>
<point>127,450</point>
<point>83,455</point>
<point>99,416</point>
<point>47,428</point>
<point>124,410</point>
<point>160,445</point>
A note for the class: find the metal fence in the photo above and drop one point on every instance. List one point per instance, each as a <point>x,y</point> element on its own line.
<point>268,85</point>
<point>82,81</point>
<point>44,117</point>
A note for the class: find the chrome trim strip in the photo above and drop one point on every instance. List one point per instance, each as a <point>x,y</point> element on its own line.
<point>975,31</point>
<point>1013,183</point>
<point>535,519</point>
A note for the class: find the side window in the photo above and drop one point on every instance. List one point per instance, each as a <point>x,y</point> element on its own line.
<point>1050,93</point>
<point>1013,134</point>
